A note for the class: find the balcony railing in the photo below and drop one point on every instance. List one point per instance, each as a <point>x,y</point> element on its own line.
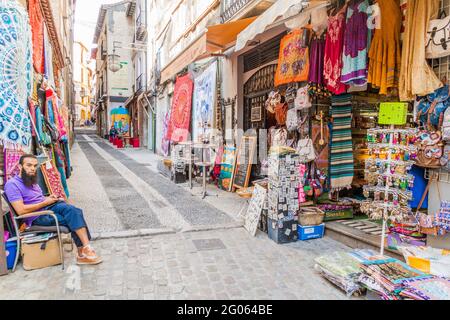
<point>231,7</point>
<point>141,83</point>
<point>141,27</point>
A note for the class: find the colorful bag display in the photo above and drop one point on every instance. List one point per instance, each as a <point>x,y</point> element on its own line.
<point>293,62</point>
<point>281,113</point>
<point>292,120</point>
<point>431,109</point>
<point>302,100</point>
<point>305,149</point>
<point>429,149</point>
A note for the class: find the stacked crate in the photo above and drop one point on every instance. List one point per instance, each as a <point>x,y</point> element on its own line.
<point>283,197</point>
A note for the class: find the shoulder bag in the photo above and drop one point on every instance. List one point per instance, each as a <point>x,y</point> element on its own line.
<point>305,149</point>
<point>438,37</point>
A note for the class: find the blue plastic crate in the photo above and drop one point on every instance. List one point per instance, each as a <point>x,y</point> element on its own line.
<point>11,251</point>
<point>311,232</point>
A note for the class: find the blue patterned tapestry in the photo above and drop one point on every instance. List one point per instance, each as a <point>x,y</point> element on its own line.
<point>15,75</point>
<point>204,103</point>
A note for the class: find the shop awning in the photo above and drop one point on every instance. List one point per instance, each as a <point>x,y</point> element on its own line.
<point>215,40</point>
<point>286,11</point>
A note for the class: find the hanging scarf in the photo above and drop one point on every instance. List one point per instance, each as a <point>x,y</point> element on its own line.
<point>37,28</point>
<point>341,162</point>
<point>60,165</point>
<point>15,75</point>
<point>48,54</point>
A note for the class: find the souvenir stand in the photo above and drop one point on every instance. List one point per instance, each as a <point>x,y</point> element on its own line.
<point>37,120</point>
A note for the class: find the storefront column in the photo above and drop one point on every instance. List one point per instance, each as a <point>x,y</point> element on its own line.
<point>434,205</point>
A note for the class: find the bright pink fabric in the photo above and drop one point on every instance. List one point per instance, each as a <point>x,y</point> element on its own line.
<point>180,116</point>
<point>333,53</point>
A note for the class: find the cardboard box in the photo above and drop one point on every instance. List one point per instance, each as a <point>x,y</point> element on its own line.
<point>41,254</point>
<point>311,232</point>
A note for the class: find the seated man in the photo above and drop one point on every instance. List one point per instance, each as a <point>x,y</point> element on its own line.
<point>26,197</point>
<point>113,132</point>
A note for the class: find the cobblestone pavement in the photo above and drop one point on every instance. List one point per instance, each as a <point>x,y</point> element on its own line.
<point>219,264</point>
<point>145,231</point>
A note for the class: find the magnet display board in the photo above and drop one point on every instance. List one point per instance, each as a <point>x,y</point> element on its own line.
<point>255,209</point>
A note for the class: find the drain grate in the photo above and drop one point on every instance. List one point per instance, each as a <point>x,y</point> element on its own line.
<point>208,244</point>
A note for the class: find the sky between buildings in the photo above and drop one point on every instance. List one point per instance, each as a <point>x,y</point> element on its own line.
<point>86,15</point>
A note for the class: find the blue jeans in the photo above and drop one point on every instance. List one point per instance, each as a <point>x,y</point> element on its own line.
<point>68,216</point>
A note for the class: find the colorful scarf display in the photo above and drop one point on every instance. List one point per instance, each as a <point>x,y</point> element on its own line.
<point>293,62</point>
<point>204,103</point>
<point>15,75</point>
<point>341,161</point>
<point>180,116</point>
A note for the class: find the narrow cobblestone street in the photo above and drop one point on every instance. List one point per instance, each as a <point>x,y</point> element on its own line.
<point>161,241</point>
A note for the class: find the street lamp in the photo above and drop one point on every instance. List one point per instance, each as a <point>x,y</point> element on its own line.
<point>114,64</point>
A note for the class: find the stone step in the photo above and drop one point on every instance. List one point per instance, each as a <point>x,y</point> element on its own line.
<point>355,238</point>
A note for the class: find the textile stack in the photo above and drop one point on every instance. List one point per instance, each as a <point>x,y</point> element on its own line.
<point>405,233</point>
<point>387,277</point>
<point>341,269</point>
<point>434,288</point>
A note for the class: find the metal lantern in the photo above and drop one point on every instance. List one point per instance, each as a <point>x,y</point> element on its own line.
<point>114,64</point>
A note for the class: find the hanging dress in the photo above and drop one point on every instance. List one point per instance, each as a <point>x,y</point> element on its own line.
<point>333,53</point>
<point>416,76</point>
<point>356,43</point>
<point>385,49</point>
<point>316,78</point>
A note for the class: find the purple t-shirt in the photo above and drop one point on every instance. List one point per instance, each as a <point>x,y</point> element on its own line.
<point>16,190</point>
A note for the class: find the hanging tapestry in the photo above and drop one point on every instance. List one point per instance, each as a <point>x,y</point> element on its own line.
<point>334,45</point>
<point>204,103</point>
<point>12,158</point>
<point>341,161</point>
<point>37,34</point>
<point>15,75</point>
<point>227,168</point>
<point>180,115</point>
<point>165,143</point>
<point>53,179</point>
<point>293,61</point>
<point>357,38</point>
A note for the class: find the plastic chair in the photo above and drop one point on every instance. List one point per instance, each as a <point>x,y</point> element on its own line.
<point>15,218</point>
